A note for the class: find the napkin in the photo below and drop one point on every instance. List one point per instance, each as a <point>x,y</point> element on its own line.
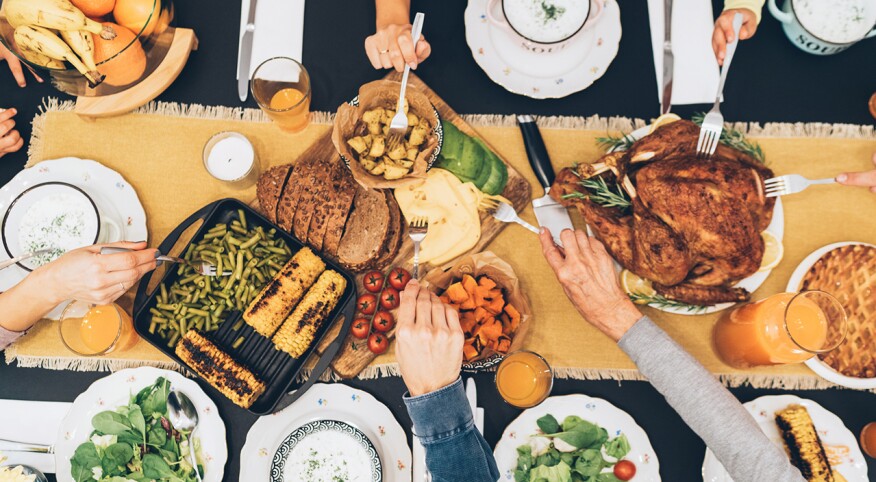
<point>31,422</point>
<point>695,80</point>
<point>279,30</point>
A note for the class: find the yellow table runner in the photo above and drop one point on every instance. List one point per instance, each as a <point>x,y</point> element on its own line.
<point>158,150</point>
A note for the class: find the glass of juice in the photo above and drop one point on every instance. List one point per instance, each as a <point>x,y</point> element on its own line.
<point>524,379</point>
<point>784,328</point>
<point>281,86</point>
<point>92,330</point>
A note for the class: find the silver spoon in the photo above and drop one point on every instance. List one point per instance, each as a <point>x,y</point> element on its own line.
<point>184,417</point>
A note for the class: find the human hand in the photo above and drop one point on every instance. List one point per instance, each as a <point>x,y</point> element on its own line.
<point>15,66</point>
<point>586,272</point>
<point>428,341</point>
<point>863,178</point>
<point>86,275</point>
<point>10,139</point>
<point>724,34</point>
<point>392,47</point>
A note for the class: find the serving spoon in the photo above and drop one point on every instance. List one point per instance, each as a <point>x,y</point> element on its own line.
<point>184,417</point>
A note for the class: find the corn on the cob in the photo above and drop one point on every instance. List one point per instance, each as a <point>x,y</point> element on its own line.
<point>220,370</point>
<point>299,329</point>
<point>273,304</point>
<point>804,447</point>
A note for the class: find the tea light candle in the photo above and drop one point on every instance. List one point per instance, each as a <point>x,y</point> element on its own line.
<point>230,157</point>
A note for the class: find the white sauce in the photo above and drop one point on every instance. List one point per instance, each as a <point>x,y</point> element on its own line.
<point>60,221</point>
<point>328,457</point>
<point>838,21</point>
<point>546,21</point>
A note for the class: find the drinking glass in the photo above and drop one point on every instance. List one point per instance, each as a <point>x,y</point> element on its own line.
<point>524,379</point>
<point>93,330</point>
<point>784,328</point>
<point>281,86</point>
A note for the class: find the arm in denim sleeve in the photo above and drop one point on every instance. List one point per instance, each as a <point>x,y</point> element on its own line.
<point>445,426</point>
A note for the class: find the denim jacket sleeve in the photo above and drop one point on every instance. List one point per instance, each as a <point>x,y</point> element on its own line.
<point>455,450</point>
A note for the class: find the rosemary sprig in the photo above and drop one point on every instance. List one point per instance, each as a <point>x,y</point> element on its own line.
<point>600,193</point>
<point>735,139</point>
<point>660,301</point>
<point>615,143</point>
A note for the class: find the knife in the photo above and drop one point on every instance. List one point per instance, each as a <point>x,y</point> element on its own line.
<point>246,52</point>
<point>549,213</point>
<point>668,59</point>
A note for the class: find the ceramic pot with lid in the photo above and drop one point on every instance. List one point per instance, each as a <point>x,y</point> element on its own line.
<point>826,27</point>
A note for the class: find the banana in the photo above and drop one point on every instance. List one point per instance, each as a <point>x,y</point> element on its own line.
<point>55,14</point>
<point>82,44</point>
<point>47,43</point>
<point>37,58</point>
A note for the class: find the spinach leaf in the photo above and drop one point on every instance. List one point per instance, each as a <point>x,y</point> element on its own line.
<point>589,463</point>
<point>84,459</point>
<point>156,437</point>
<point>130,437</point>
<point>579,439</point>
<point>156,401</point>
<point>556,473</point>
<point>117,455</point>
<point>618,447</point>
<point>568,458</point>
<point>110,423</point>
<point>521,476</point>
<point>154,467</point>
<point>549,459</point>
<point>572,421</point>
<point>135,416</point>
<point>607,477</point>
<point>524,458</point>
<point>548,424</point>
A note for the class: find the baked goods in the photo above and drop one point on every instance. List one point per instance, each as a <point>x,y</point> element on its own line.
<point>269,189</point>
<point>371,220</point>
<point>849,273</point>
<point>298,331</point>
<point>803,444</point>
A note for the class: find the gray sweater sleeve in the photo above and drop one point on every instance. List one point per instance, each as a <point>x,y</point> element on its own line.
<point>706,406</point>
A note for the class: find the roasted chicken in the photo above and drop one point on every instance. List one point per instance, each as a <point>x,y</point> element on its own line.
<point>693,225</point>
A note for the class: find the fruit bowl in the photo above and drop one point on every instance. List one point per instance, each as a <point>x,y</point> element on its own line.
<point>126,41</point>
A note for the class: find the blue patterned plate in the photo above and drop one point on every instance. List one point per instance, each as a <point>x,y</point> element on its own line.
<point>326,450</point>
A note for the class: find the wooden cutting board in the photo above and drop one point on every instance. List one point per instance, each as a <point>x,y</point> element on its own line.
<point>354,355</point>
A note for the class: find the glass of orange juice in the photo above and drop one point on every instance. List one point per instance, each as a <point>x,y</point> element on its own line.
<point>281,86</point>
<point>92,330</point>
<point>524,379</point>
<point>784,328</point>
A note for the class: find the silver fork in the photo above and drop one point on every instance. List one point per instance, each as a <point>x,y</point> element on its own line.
<point>506,213</point>
<point>202,267</point>
<point>713,124</point>
<point>791,184</point>
<point>418,228</point>
<point>398,127</point>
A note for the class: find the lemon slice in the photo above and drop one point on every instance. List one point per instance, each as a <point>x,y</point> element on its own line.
<point>664,119</point>
<point>636,285</point>
<point>773,251</point>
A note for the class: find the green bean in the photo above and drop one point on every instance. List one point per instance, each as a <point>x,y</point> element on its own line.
<point>237,325</point>
<point>251,241</point>
<point>188,279</point>
<point>238,229</point>
<point>237,342</point>
<point>217,234</point>
<point>218,227</point>
<point>173,340</point>
<point>241,215</point>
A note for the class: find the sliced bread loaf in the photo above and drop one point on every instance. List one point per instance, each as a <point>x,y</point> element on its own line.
<point>367,230</point>
<point>270,188</point>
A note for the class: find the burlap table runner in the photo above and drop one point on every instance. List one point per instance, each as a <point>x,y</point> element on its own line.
<point>158,150</point>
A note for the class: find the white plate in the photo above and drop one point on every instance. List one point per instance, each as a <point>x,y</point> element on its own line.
<point>329,402</point>
<point>594,410</point>
<point>840,444</point>
<point>339,441</point>
<point>114,196</point>
<point>753,282</point>
<point>543,75</point>
<point>819,367</point>
<point>115,390</point>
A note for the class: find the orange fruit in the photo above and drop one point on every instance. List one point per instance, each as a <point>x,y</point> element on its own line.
<point>94,8</point>
<point>121,59</point>
<point>135,14</point>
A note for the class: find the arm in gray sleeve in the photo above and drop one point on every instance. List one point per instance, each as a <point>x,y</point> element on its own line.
<point>706,406</point>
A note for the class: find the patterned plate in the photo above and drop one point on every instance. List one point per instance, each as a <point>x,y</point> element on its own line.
<point>326,440</point>
<point>482,365</point>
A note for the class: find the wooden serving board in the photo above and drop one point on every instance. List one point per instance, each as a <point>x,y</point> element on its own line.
<point>354,355</point>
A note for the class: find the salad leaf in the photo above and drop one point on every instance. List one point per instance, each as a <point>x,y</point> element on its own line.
<point>557,473</point>
<point>589,463</point>
<point>156,437</point>
<point>618,447</point>
<point>111,423</point>
<point>135,416</point>
<point>84,458</point>
<point>156,401</point>
<point>607,477</point>
<point>521,476</point>
<point>548,424</point>
<point>524,458</point>
<point>581,439</point>
<point>117,455</point>
<point>571,422</point>
<point>549,458</point>
<point>154,467</point>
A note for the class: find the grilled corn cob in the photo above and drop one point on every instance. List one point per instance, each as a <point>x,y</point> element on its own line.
<point>804,447</point>
<point>268,310</point>
<point>226,375</point>
<point>299,329</point>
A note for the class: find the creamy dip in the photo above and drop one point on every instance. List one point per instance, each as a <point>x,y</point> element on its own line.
<point>328,456</point>
<point>838,21</point>
<point>63,222</point>
<point>546,21</point>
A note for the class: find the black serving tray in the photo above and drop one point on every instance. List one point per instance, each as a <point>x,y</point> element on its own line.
<point>277,369</point>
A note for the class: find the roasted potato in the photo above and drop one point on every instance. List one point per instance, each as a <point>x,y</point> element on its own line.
<point>372,148</point>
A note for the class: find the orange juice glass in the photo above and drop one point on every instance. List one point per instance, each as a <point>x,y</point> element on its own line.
<point>92,330</point>
<point>281,86</point>
<point>784,328</point>
<point>524,379</point>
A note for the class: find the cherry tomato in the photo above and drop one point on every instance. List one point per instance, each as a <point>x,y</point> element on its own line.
<point>383,321</point>
<point>367,304</point>
<point>378,343</point>
<point>373,281</point>
<point>389,299</point>
<point>399,278</point>
<point>624,470</point>
<point>360,328</point>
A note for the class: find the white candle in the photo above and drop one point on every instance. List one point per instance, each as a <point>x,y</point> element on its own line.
<point>229,156</point>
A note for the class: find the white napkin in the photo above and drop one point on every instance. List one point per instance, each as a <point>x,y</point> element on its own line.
<point>31,422</point>
<point>695,80</point>
<point>279,30</point>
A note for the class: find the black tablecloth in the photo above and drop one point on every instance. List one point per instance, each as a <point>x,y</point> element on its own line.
<point>771,81</point>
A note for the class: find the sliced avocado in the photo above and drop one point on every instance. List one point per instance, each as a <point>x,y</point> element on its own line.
<point>487,161</point>
<point>498,177</point>
<point>451,147</point>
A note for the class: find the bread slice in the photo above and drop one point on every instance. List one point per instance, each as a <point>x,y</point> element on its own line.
<point>396,233</point>
<point>337,216</point>
<point>324,200</point>
<point>270,188</point>
<point>367,230</point>
<point>314,182</point>
<point>291,194</point>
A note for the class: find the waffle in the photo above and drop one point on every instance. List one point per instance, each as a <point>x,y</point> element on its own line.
<point>849,273</point>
